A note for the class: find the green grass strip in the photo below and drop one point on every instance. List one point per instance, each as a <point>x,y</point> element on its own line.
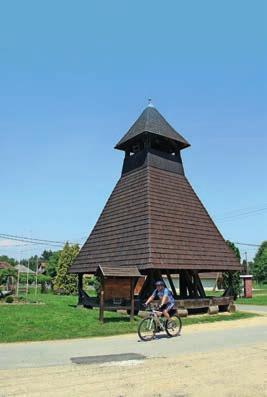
<point>58,318</point>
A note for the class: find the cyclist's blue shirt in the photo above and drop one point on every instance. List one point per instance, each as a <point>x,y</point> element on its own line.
<point>164,292</point>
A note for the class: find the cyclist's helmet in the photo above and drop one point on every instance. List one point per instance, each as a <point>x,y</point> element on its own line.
<point>161,283</point>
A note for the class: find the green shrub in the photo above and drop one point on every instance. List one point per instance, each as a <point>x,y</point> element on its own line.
<point>65,283</point>
<point>6,273</point>
<point>91,280</point>
<point>97,285</point>
<point>23,278</point>
<point>9,299</point>
<point>260,264</point>
<point>231,280</point>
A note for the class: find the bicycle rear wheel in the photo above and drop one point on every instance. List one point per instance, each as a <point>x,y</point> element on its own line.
<point>173,325</point>
<point>147,329</point>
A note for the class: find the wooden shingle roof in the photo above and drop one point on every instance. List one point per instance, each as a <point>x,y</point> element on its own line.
<point>152,121</point>
<point>154,219</point>
<point>118,271</point>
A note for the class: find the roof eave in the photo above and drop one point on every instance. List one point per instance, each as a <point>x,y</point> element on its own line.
<point>123,145</point>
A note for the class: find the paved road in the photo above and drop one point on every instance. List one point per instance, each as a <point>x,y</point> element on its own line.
<point>252,308</point>
<point>199,338</point>
<point>206,360</point>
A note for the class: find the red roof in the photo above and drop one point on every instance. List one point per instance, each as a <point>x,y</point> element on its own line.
<point>5,265</point>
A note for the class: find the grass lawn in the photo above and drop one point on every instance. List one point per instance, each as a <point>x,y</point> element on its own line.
<point>259,296</point>
<point>59,319</point>
<point>213,293</point>
<point>257,299</point>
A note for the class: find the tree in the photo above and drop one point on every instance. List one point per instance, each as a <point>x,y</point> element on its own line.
<point>32,261</point>
<point>46,255</point>
<point>66,283</point>
<point>7,259</point>
<point>260,264</point>
<point>6,273</point>
<point>231,280</point>
<point>43,280</point>
<point>52,264</point>
<point>234,248</point>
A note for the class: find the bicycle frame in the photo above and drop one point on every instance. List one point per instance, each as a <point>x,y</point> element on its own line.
<point>153,314</point>
<point>153,323</point>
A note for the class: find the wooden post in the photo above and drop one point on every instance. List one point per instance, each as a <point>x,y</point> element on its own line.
<point>189,283</point>
<point>80,288</point>
<point>147,287</point>
<point>200,287</point>
<point>102,299</point>
<point>171,284</point>
<point>214,309</point>
<point>132,299</point>
<point>216,282</point>
<point>183,289</point>
<point>195,284</point>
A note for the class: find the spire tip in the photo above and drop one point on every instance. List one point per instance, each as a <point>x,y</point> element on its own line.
<point>150,104</point>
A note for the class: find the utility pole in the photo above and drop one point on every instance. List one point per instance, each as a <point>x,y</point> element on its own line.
<point>18,278</point>
<point>27,279</point>
<point>246,259</point>
<point>36,271</point>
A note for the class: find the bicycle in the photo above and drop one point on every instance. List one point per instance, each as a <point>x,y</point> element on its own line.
<point>152,324</point>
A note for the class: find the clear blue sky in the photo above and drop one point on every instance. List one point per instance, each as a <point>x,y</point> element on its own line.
<point>75,75</point>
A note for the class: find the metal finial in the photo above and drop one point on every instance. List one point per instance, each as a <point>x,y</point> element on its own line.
<point>150,104</point>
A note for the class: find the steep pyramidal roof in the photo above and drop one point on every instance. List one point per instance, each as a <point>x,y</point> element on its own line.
<point>154,219</point>
<point>152,121</point>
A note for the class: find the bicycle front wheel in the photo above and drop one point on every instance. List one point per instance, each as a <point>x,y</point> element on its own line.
<point>173,326</point>
<point>147,329</point>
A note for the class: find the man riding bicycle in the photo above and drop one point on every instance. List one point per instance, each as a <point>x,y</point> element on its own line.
<point>167,300</point>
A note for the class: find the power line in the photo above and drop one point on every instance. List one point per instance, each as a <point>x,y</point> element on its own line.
<point>35,241</point>
<point>57,243</point>
<point>255,211</point>
<point>32,242</point>
<point>248,244</point>
<point>31,238</point>
<point>250,208</point>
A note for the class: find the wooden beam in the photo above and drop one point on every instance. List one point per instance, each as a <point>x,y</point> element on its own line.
<point>195,284</point>
<point>149,284</point>
<point>133,282</point>
<point>182,282</point>
<point>171,283</point>
<point>80,288</point>
<point>189,283</point>
<point>200,287</point>
<point>216,282</point>
<point>102,300</point>
<point>145,287</point>
<point>213,309</point>
<point>157,276</point>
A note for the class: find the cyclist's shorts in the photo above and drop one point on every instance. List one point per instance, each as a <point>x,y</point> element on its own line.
<point>167,306</point>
